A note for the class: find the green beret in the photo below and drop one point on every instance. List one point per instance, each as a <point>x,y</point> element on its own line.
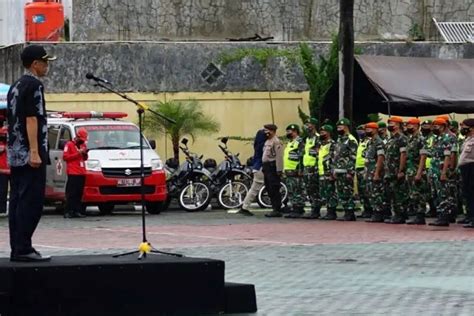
<point>293,127</point>
<point>344,121</point>
<point>429,122</point>
<point>382,124</point>
<point>313,121</point>
<point>361,127</point>
<point>327,128</point>
<point>454,124</point>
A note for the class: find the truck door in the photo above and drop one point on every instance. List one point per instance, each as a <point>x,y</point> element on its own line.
<point>53,135</point>
<point>60,175</point>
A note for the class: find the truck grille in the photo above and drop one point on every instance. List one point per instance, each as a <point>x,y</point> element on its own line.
<point>124,172</point>
<point>112,190</point>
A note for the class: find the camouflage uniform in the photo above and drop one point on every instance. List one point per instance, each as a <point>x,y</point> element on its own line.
<point>344,170</point>
<point>417,189</point>
<point>374,189</point>
<point>430,195</point>
<point>443,145</point>
<point>294,152</point>
<point>361,177</point>
<point>327,183</point>
<point>397,191</point>
<point>310,172</point>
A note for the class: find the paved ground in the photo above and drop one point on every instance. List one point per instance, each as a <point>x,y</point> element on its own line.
<point>298,267</point>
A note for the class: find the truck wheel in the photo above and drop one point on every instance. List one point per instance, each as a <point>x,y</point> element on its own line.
<point>155,207</point>
<point>106,208</point>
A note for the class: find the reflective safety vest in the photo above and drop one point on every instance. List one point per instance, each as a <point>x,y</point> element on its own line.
<point>322,155</point>
<point>430,145</point>
<point>310,157</point>
<point>291,158</point>
<point>360,160</point>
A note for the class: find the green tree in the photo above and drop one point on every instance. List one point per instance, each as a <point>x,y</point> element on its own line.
<point>190,120</point>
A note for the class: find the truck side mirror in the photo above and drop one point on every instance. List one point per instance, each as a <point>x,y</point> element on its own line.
<point>152,143</point>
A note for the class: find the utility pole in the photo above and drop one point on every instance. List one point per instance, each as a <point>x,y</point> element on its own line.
<point>346,58</point>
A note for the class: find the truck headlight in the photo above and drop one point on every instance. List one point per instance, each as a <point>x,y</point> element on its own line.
<point>93,165</point>
<point>156,164</point>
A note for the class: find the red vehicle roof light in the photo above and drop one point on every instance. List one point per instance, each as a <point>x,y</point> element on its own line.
<point>92,114</point>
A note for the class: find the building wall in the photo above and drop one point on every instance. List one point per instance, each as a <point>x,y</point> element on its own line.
<point>284,19</point>
<point>239,113</point>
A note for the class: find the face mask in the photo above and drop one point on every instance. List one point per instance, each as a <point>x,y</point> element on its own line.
<point>341,132</point>
<point>323,137</point>
<point>369,134</point>
<point>436,131</point>
<point>79,141</point>
<point>391,128</point>
<point>381,133</point>
<point>465,131</point>
<point>289,136</point>
<point>361,134</point>
<point>425,132</point>
<point>410,130</point>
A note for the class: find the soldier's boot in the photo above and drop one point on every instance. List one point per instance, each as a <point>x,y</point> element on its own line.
<point>441,221</point>
<point>387,213</point>
<point>464,220</point>
<point>314,214</point>
<point>274,214</point>
<point>398,218</point>
<point>377,217</point>
<point>418,220</point>
<point>349,216</point>
<point>286,209</point>
<point>297,212</point>
<point>331,215</point>
<point>366,213</point>
<point>432,212</point>
<point>470,224</point>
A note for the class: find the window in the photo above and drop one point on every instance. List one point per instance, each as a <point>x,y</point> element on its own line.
<point>53,132</point>
<point>64,137</point>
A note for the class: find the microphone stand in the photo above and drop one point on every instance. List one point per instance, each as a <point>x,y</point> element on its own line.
<point>145,246</point>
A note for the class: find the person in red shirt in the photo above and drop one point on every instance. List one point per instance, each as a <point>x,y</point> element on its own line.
<point>4,169</point>
<point>75,155</point>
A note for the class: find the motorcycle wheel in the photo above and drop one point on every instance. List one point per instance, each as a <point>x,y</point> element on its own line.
<point>194,197</point>
<point>232,195</point>
<point>263,199</point>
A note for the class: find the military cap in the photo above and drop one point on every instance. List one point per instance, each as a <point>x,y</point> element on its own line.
<point>413,120</point>
<point>327,128</point>
<point>293,127</point>
<point>444,117</point>
<point>396,119</point>
<point>361,127</point>
<point>440,121</point>
<point>372,125</point>
<point>382,125</point>
<point>344,121</point>
<point>312,120</point>
<point>454,123</point>
<point>469,122</point>
<point>271,127</point>
<point>427,122</point>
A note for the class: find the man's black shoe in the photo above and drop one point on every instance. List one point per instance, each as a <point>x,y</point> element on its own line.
<point>396,219</point>
<point>464,221</point>
<point>440,222</point>
<point>312,215</point>
<point>245,212</point>
<point>273,214</point>
<point>376,218</point>
<point>331,215</point>
<point>470,225</point>
<point>365,214</point>
<point>34,256</point>
<point>286,210</point>
<point>294,215</point>
<point>349,216</point>
<point>418,220</point>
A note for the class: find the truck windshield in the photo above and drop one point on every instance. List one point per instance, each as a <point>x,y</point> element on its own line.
<point>102,137</point>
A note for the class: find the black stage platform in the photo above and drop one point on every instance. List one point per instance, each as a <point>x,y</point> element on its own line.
<point>103,285</point>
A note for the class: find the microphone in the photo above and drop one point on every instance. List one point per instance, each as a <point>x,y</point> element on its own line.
<point>91,76</point>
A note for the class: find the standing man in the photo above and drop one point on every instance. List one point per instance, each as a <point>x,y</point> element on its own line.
<point>416,176</point>
<point>310,172</point>
<point>327,181</point>
<point>395,168</point>
<point>374,167</point>
<point>360,172</point>
<point>344,168</point>
<point>428,137</point>
<point>27,153</point>
<point>258,180</point>
<point>75,155</point>
<point>382,130</point>
<point>442,168</point>
<point>466,165</point>
<point>272,167</point>
<point>293,169</point>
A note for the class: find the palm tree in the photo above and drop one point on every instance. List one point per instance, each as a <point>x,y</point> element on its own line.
<point>190,120</point>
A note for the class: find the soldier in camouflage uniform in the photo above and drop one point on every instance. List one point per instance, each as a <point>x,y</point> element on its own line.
<point>361,173</point>
<point>429,137</point>
<point>384,136</point>
<point>374,167</point>
<point>395,168</point>
<point>442,168</point>
<point>327,181</point>
<point>416,175</point>
<point>461,138</point>
<point>456,185</point>
<point>310,172</point>
<point>344,168</point>
<point>293,170</point>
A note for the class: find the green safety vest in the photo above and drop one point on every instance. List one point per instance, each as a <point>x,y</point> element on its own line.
<point>323,152</point>
<point>310,153</point>
<point>360,160</point>
<point>291,158</point>
<point>430,145</point>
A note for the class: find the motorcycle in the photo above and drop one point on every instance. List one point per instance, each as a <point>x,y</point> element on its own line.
<point>228,180</point>
<point>187,182</point>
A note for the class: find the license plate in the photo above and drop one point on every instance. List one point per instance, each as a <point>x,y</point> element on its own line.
<point>135,182</point>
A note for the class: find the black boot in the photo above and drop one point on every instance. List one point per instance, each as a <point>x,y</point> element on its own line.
<point>297,212</point>
<point>377,217</point>
<point>465,220</point>
<point>274,214</point>
<point>366,214</point>
<point>331,215</point>
<point>441,221</point>
<point>396,219</point>
<point>418,220</point>
<point>315,213</point>
<point>349,216</point>
<point>470,225</point>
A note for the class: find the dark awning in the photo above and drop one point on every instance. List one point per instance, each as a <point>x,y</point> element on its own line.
<point>412,86</point>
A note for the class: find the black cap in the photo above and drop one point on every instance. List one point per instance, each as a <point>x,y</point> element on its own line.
<point>469,122</point>
<point>271,127</point>
<point>35,52</point>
